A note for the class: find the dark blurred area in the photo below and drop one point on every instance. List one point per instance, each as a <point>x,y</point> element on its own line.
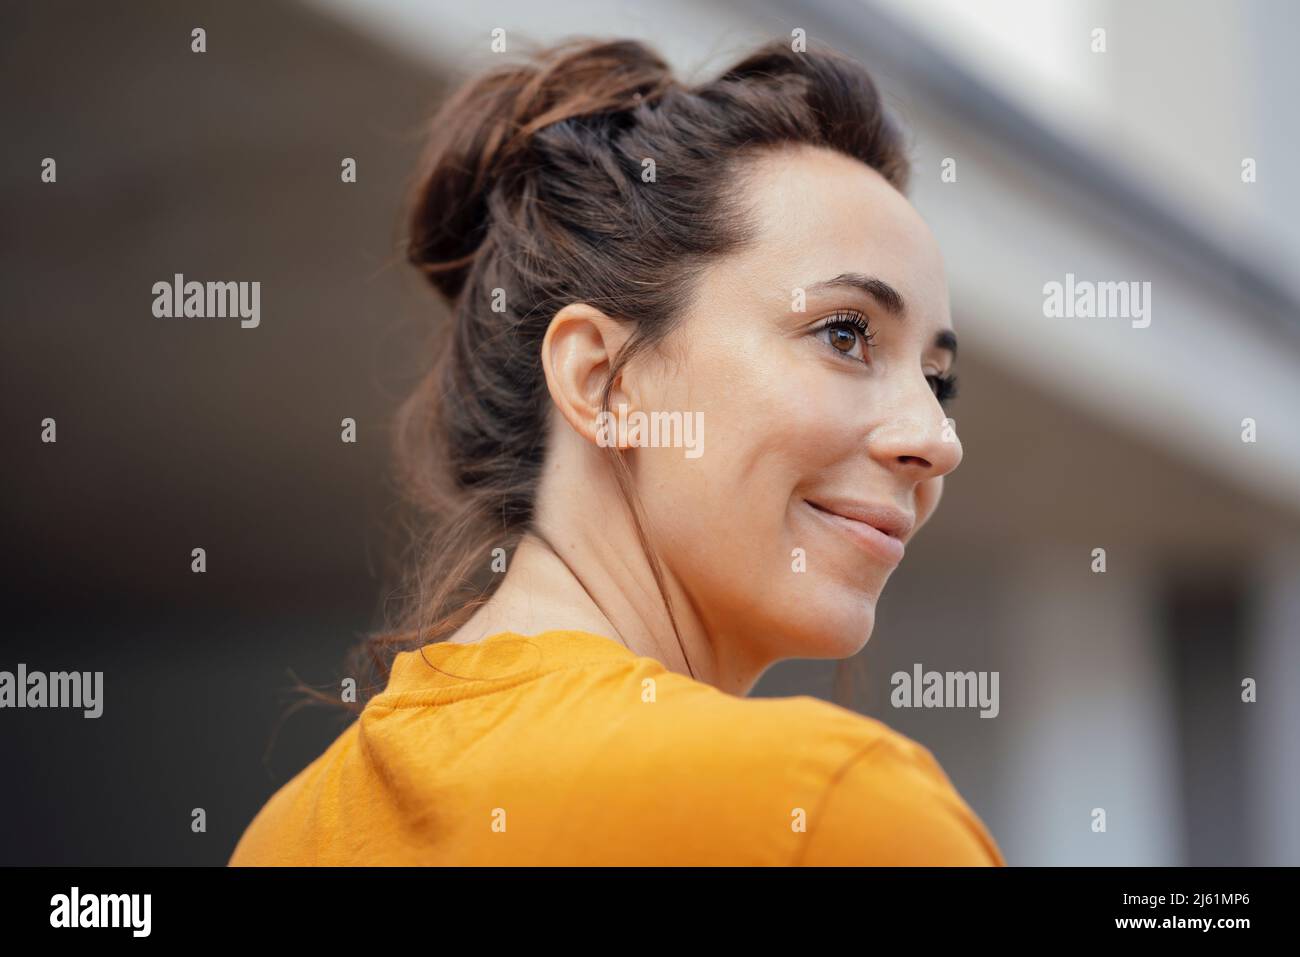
<point>181,433</point>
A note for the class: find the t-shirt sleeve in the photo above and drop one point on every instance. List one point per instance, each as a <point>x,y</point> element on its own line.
<point>893,804</point>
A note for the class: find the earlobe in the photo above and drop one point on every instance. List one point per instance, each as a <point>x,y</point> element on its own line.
<point>578,352</point>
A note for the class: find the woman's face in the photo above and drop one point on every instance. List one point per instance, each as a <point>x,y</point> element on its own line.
<point>822,453</point>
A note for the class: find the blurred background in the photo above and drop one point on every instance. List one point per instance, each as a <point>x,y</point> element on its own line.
<point>1120,690</point>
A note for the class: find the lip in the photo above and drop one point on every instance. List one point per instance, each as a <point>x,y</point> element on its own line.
<point>879,529</point>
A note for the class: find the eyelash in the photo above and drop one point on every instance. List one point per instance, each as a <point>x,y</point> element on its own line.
<point>847,319</point>
<point>943,386</point>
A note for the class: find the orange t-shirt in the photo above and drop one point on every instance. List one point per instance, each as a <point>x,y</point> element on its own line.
<point>567,748</point>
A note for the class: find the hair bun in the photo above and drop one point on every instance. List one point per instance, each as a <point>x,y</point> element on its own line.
<point>486,132</point>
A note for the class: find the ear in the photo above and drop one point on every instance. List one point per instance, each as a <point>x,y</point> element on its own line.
<point>578,351</point>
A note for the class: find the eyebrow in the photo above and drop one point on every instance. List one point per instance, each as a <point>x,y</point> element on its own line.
<point>877,289</point>
<point>889,297</point>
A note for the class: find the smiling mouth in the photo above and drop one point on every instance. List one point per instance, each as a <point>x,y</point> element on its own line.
<point>876,541</point>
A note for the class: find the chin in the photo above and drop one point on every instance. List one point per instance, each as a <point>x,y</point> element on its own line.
<point>839,631</point>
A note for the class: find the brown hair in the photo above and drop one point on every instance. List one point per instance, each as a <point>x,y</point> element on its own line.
<point>531,196</point>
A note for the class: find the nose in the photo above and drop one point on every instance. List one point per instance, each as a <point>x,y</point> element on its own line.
<point>917,440</point>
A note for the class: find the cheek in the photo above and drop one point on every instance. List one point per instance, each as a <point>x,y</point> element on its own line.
<point>759,425</point>
<point>771,419</point>
<point>697,502</point>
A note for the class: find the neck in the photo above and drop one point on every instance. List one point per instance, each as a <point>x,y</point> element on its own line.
<point>596,580</point>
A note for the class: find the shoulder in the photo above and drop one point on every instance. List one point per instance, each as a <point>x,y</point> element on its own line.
<point>789,780</point>
<point>883,798</point>
<point>281,831</point>
<point>893,804</point>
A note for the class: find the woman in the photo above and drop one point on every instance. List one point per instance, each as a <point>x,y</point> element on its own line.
<point>686,413</point>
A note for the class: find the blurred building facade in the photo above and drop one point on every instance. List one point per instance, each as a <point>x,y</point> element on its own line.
<point>1120,691</point>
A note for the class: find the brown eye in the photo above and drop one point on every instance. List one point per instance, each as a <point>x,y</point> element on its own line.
<point>844,340</point>
<point>847,333</point>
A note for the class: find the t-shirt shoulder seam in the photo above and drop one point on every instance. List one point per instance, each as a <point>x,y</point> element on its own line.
<point>838,776</point>
<point>921,760</point>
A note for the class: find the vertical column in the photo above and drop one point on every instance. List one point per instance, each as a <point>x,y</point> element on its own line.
<point>1272,725</point>
<point>1086,701</point>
